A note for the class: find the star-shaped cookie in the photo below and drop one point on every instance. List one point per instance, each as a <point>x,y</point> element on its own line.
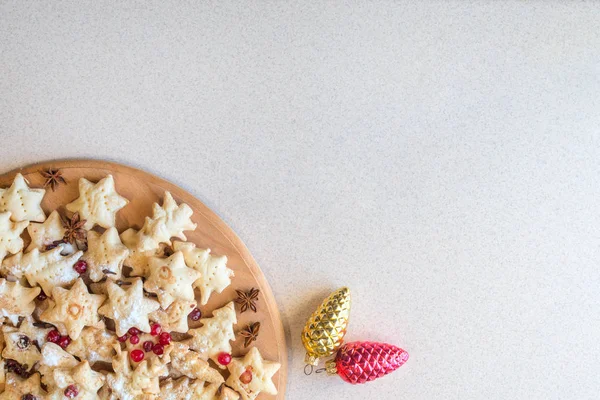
<point>214,274</point>
<point>214,335</point>
<point>95,343</point>
<point>18,389</point>
<point>171,279</point>
<point>22,202</point>
<point>46,233</point>
<point>175,317</point>
<point>252,375</point>
<point>98,203</point>
<point>74,309</point>
<point>50,269</point>
<point>105,255</point>
<point>13,267</point>
<point>10,235</point>
<point>16,300</point>
<point>128,307</point>
<point>85,379</point>
<point>167,221</point>
<point>19,347</point>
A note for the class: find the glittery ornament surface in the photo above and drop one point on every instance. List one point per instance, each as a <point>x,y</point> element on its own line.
<point>360,362</point>
<point>325,330</point>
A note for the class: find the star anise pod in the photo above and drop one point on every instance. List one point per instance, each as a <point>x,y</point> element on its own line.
<point>53,178</point>
<point>247,299</point>
<point>74,229</point>
<point>250,333</point>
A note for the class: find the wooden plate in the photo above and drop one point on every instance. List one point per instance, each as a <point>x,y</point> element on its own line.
<point>143,189</point>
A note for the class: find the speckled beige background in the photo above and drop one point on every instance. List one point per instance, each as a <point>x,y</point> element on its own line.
<point>440,158</point>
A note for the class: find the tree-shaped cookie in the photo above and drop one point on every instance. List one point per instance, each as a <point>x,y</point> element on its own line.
<point>252,375</point>
<point>137,260</point>
<point>50,269</point>
<point>214,274</point>
<point>167,221</point>
<point>98,203</point>
<point>74,309</point>
<point>44,234</point>
<point>16,300</point>
<point>133,384</point>
<point>80,382</point>
<point>17,388</point>
<point>105,255</point>
<point>128,307</point>
<point>10,233</point>
<point>213,337</point>
<point>22,202</point>
<point>187,389</point>
<point>170,279</point>
<point>175,317</point>
<point>190,363</point>
<point>53,356</point>
<point>95,343</point>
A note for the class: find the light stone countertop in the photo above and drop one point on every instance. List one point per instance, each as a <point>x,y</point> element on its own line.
<point>442,159</point>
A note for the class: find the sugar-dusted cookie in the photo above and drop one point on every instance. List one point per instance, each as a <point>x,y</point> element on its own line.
<point>95,343</point>
<point>16,300</point>
<point>171,279</point>
<point>137,260</point>
<point>213,337</point>
<point>98,203</point>
<point>167,221</point>
<point>44,234</point>
<point>19,347</point>
<point>214,274</point>
<point>147,374</point>
<point>187,389</point>
<point>53,356</point>
<point>74,309</point>
<point>189,363</point>
<point>14,268</point>
<point>10,232</point>
<point>22,202</point>
<point>128,307</point>
<point>50,269</point>
<point>252,375</point>
<point>81,381</point>
<point>17,388</point>
<point>175,317</point>
<point>105,255</point>
<point>134,384</point>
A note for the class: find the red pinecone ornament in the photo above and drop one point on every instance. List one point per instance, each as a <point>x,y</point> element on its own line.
<point>361,362</point>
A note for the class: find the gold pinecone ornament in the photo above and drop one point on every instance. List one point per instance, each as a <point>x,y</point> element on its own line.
<point>325,330</point>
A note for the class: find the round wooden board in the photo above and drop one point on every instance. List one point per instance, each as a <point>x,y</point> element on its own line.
<point>143,189</point>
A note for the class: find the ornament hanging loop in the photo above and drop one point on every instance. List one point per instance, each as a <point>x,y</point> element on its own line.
<point>320,370</point>
<point>308,369</point>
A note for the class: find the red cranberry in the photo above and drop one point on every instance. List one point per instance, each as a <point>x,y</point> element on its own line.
<point>122,338</point>
<point>224,358</point>
<point>195,314</point>
<point>164,338</point>
<point>136,355</point>
<point>148,346</point>
<point>155,329</point>
<point>134,339</point>
<point>71,391</point>
<point>53,336</point>
<point>80,266</point>
<point>158,349</point>
<point>133,331</point>
<point>42,296</point>
<point>64,341</point>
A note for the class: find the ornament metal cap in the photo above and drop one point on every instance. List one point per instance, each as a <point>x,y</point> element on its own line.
<point>325,329</point>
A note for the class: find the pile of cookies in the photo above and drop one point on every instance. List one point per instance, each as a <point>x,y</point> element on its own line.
<point>88,313</point>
